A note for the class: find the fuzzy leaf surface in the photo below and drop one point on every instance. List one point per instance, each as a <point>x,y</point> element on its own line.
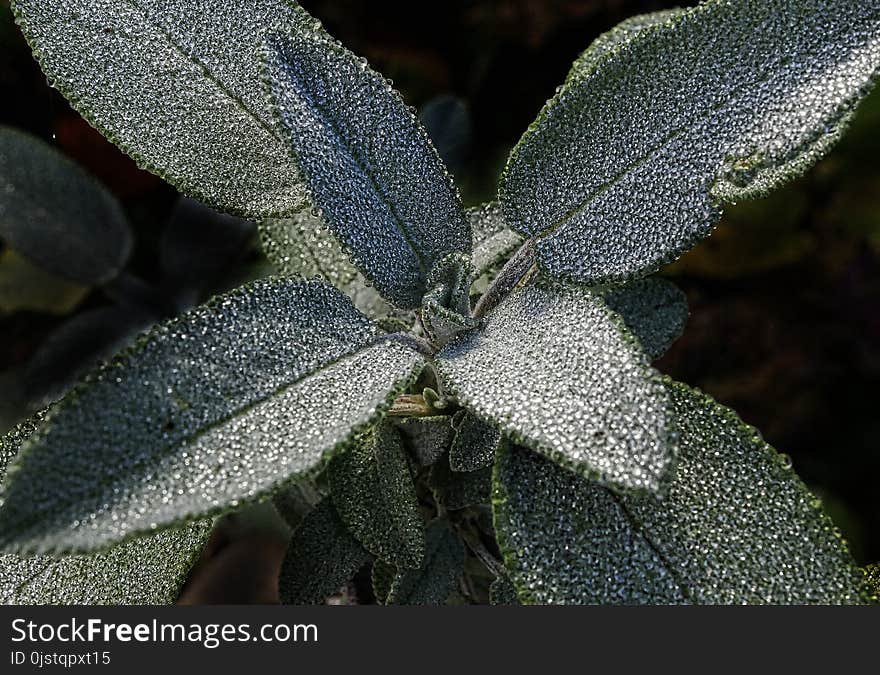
<point>374,494</point>
<point>57,215</point>
<point>628,166</point>
<point>322,557</point>
<point>438,575</point>
<point>176,85</point>
<point>368,164</point>
<point>555,370</point>
<point>216,407</point>
<point>494,242</point>
<point>737,526</point>
<point>145,571</point>
<point>474,445</point>
<point>302,245</point>
<point>653,309</point>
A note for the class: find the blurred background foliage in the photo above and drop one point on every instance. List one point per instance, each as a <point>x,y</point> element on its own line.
<point>784,320</point>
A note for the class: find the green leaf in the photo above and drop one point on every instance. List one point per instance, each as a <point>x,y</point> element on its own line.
<point>426,437</point>
<point>629,164</point>
<point>150,570</point>
<point>445,308</point>
<point>374,494</point>
<point>303,246</point>
<point>653,309</point>
<point>367,162</point>
<point>176,85</point>
<point>503,592</point>
<point>872,578</point>
<point>459,489</point>
<point>474,445</point>
<point>57,215</point>
<point>322,557</point>
<point>382,576</point>
<point>555,370</point>
<point>439,574</point>
<point>494,242</point>
<point>737,526</point>
<point>220,406</point>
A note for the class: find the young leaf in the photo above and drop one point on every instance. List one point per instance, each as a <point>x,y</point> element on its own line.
<point>426,437</point>
<point>443,565</point>
<point>143,571</point>
<point>57,215</point>
<point>382,576</point>
<point>303,246</point>
<point>554,369</point>
<point>374,494</point>
<point>367,162</point>
<point>502,592</point>
<point>629,164</point>
<point>459,489</point>
<point>322,556</point>
<point>176,85</point>
<point>737,526</point>
<point>494,242</point>
<point>474,445</point>
<point>653,309</point>
<point>221,405</point>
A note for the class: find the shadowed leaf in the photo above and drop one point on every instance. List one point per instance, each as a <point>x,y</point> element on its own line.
<point>219,406</point>
<point>737,526</point>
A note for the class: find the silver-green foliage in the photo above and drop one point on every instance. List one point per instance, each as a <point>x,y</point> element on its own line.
<point>668,118</point>
<point>221,405</point>
<point>144,571</point>
<point>736,526</point>
<point>175,84</point>
<point>610,483</point>
<point>392,203</point>
<point>557,371</point>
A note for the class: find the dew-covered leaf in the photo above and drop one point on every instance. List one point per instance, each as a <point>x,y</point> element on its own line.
<point>426,437</point>
<point>176,85</point>
<point>653,309</point>
<point>459,489</point>
<point>629,164</point>
<point>321,558</point>
<point>439,574</point>
<point>474,445</point>
<point>219,406</point>
<point>303,246</point>
<point>57,215</point>
<point>555,369</point>
<point>494,242</point>
<point>872,578</point>
<point>367,163</point>
<point>503,592</point>
<point>149,570</point>
<point>737,526</point>
<point>374,494</point>
<point>382,576</point>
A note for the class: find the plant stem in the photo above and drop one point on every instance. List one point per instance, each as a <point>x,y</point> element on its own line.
<point>411,405</point>
<point>517,270</point>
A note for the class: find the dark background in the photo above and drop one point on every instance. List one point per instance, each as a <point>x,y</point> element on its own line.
<point>784,323</point>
